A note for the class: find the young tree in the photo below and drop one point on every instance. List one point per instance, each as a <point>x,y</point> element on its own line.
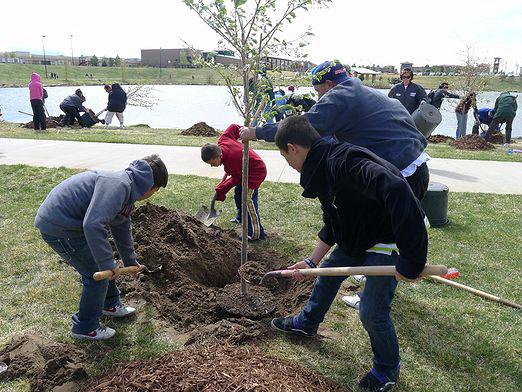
<point>254,30</point>
<point>117,61</point>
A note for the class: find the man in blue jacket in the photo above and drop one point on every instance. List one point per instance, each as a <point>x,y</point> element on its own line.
<point>116,105</point>
<point>409,94</point>
<point>365,117</point>
<point>372,215</point>
<point>72,105</point>
<point>73,221</point>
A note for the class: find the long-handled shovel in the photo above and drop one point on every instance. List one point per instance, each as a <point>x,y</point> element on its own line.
<point>384,270</point>
<point>100,275</point>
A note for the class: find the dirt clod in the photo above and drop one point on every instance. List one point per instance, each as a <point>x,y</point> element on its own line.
<point>200,129</point>
<point>215,368</point>
<point>48,365</point>
<point>435,139</point>
<point>497,138</point>
<point>472,142</point>
<point>257,303</point>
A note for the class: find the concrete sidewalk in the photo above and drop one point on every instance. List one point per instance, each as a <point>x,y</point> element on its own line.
<point>459,175</point>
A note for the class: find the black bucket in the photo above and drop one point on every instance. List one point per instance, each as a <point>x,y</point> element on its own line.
<point>426,119</point>
<point>88,120</point>
<point>435,204</point>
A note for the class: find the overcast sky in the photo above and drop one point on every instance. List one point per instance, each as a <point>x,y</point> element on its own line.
<point>363,32</point>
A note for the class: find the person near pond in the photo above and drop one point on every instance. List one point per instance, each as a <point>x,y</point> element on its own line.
<point>372,217</point>
<point>72,105</point>
<point>75,220</point>
<point>435,97</point>
<point>461,111</point>
<point>409,94</point>
<point>116,105</point>
<point>229,153</point>
<point>482,116</point>
<point>36,96</point>
<point>505,111</point>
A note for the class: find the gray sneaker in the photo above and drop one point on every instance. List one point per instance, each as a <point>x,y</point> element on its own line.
<point>352,300</point>
<point>100,333</point>
<point>119,311</point>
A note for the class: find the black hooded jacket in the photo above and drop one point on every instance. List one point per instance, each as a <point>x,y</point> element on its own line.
<point>365,201</point>
<point>117,99</point>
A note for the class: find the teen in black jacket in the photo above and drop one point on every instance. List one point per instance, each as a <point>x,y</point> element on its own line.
<point>116,105</point>
<point>371,213</point>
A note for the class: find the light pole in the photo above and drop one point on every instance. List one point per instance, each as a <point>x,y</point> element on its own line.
<point>45,59</point>
<point>72,53</point>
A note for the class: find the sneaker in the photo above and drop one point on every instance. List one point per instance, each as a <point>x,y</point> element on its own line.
<point>119,311</point>
<point>352,300</point>
<point>235,220</point>
<point>100,333</point>
<point>122,126</point>
<point>287,325</point>
<point>359,279</point>
<point>374,382</point>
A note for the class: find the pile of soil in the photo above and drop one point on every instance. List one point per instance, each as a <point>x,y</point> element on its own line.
<point>472,142</point>
<point>197,288</point>
<point>215,368</point>
<point>48,365</point>
<point>497,138</point>
<point>52,122</point>
<point>200,129</point>
<point>435,139</point>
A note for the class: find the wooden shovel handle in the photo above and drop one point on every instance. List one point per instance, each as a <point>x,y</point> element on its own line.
<point>381,270</point>
<point>108,274</point>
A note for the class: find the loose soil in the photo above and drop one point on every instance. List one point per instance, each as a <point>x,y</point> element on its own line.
<point>472,142</point>
<point>197,290</point>
<point>497,138</point>
<point>215,368</point>
<point>435,139</point>
<point>51,122</point>
<point>48,365</point>
<point>200,129</point>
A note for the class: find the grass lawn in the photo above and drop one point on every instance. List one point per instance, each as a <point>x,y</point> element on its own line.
<point>172,137</point>
<point>450,340</point>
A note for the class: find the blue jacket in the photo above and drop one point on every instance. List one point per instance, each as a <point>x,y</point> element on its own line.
<point>117,99</point>
<point>365,117</point>
<point>73,101</point>
<point>483,115</point>
<point>89,202</point>
<point>365,201</point>
<point>410,97</point>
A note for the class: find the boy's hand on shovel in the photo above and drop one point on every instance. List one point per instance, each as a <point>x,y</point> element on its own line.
<point>114,273</point>
<point>297,275</point>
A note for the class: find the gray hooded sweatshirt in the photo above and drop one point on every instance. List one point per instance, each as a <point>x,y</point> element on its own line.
<point>89,203</point>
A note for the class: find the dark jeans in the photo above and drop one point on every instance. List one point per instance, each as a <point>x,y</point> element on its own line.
<point>374,308</point>
<point>95,295</point>
<point>71,114</point>
<point>38,115</point>
<point>496,122</point>
<point>255,229</point>
<point>419,181</point>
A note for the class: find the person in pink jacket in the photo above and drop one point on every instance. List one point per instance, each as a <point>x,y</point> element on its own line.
<point>36,95</point>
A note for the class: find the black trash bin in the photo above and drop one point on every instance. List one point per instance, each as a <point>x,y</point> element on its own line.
<point>435,204</point>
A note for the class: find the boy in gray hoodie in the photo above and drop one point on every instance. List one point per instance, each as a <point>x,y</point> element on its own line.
<point>73,221</point>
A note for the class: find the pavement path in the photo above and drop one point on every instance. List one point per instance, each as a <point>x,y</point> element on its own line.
<point>459,175</point>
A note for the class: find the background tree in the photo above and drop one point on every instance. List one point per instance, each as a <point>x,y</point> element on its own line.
<point>104,62</point>
<point>117,61</point>
<point>110,62</point>
<point>94,61</point>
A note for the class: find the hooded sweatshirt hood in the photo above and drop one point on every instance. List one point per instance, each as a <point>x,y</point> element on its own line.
<point>35,87</point>
<point>140,173</point>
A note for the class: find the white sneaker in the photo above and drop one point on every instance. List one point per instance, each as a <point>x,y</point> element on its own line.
<point>100,333</point>
<point>352,300</point>
<point>359,279</point>
<point>119,311</point>
<point>122,126</point>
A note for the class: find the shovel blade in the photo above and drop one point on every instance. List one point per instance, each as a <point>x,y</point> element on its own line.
<point>206,216</point>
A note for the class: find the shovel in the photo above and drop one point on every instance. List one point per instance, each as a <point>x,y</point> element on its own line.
<point>385,270</point>
<point>207,216</point>
<point>100,275</point>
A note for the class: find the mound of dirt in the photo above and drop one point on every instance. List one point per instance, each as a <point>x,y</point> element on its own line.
<point>215,368</point>
<point>472,142</point>
<point>497,138</point>
<point>198,284</point>
<point>48,365</point>
<point>200,129</point>
<point>51,122</point>
<point>435,139</point>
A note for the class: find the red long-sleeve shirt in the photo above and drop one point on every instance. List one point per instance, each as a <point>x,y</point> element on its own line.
<point>232,160</point>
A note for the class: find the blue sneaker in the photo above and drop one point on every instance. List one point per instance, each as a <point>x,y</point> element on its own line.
<point>375,382</point>
<point>288,325</point>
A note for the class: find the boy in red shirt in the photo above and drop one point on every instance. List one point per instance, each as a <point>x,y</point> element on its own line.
<point>229,153</point>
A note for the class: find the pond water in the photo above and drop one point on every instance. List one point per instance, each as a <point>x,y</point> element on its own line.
<point>181,106</point>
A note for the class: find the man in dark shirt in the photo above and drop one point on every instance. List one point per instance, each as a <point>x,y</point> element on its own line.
<point>441,93</point>
<point>411,95</point>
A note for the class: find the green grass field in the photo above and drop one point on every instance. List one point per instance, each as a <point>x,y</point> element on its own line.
<point>450,340</point>
<point>172,137</point>
<point>14,75</point>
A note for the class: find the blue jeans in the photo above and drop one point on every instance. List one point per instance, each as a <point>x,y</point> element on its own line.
<point>95,295</point>
<point>374,308</point>
<point>255,229</point>
<point>462,122</point>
